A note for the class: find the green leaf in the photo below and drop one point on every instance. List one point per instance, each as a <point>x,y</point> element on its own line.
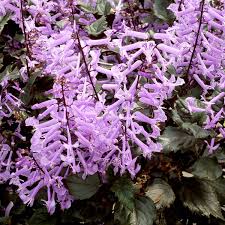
<point>161,11</point>
<point>4,20</point>
<point>61,24</point>
<point>200,197</point>
<point>182,114</point>
<point>10,73</point>
<point>98,87</point>
<point>121,214</point>
<point>124,191</point>
<point>199,117</point>
<point>42,217</point>
<point>87,7</point>
<point>176,117</point>
<point>207,168</point>
<point>161,193</point>
<point>144,212</point>
<point>83,189</point>
<point>197,131</point>
<point>174,139</point>
<point>27,95</point>
<point>219,186</point>
<point>97,27</point>
<point>103,7</point>
<point>171,69</point>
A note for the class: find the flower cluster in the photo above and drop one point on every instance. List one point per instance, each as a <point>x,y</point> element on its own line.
<point>199,30</point>
<point>105,109</point>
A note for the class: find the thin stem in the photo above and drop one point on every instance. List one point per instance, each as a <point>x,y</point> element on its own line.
<point>181,2</point>
<point>184,89</point>
<point>86,65</point>
<point>83,56</point>
<point>197,37</point>
<point>35,161</point>
<point>64,103</point>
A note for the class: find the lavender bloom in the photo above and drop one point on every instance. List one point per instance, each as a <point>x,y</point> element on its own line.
<point>78,129</point>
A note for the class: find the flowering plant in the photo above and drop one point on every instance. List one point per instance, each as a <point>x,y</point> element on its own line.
<point>121,101</point>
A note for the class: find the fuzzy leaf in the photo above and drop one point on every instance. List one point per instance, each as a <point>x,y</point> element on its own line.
<point>86,7</point>
<point>97,27</point>
<point>103,7</point>
<point>219,187</point>
<point>161,11</point>
<point>174,139</point>
<point>161,193</point>
<point>196,130</point>
<point>207,168</point>
<point>144,212</point>
<point>27,95</point>
<point>124,191</point>
<point>200,197</point>
<point>3,21</point>
<point>10,73</point>
<point>41,217</point>
<point>83,189</point>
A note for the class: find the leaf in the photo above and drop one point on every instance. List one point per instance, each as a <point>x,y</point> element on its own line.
<point>83,189</point>
<point>98,87</point>
<point>161,11</point>
<point>103,7</point>
<point>124,191</point>
<point>207,168</point>
<point>174,139</point>
<point>87,7</point>
<point>144,212</point>
<point>26,96</point>
<point>10,73</point>
<point>200,197</point>
<point>196,130</point>
<point>219,187</point>
<point>199,117</point>
<point>171,69</point>
<point>97,27</point>
<point>161,193</point>
<point>61,24</point>
<point>4,20</point>
<point>121,214</point>
<point>42,217</point>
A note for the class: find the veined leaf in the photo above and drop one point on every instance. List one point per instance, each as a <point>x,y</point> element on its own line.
<point>197,131</point>
<point>200,197</point>
<point>161,11</point>
<point>124,191</point>
<point>161,193</point>
<point>219,186</point>
<point>207,168</point>
<point>83,189</point>
<point>174,139</point>
<point>97,27</point>
<point>103,7</point>
<point>10,73</point>
<point>41,217</point>
<point>144,213</point>
<point>86,7</point>
<point>4,20</point>
<point>26,96</point>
